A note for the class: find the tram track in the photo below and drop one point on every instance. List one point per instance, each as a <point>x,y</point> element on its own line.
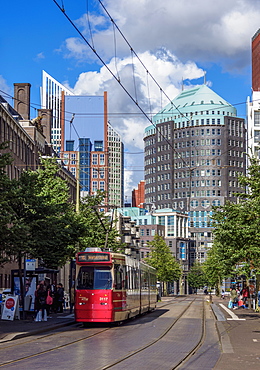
<point>87,337</point>
<point>145,347</point>
<point>21,340</point>
<point>39,353</point>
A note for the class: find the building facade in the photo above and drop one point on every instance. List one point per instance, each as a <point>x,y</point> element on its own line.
<point>26,143</point>
<point>52,93</point>
<point>115,150</point>
<point>85,140</point>
<point>256,61</point>
<point>138,195</point>
<point>253,104</point>
<point>193,153</point>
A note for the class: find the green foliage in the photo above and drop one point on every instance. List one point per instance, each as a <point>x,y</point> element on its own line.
<point>100,231</point>
<point>161,258</point>
<point>6,193</point>
<point>237,230</point>
<point>37,219</point>
<point>43,223</point>
<point>196,276</point>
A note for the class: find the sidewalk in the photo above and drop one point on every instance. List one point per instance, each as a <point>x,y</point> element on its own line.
<point>239,334</point>
<point>22,328</point>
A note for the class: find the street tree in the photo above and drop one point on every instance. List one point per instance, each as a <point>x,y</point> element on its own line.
<point>44,224</point>
<point>100,229</point>
<point>215,268</point>
<point>6,193</point>
<point>196,276</point>
<point>161,258</point>
<point>237,229</point>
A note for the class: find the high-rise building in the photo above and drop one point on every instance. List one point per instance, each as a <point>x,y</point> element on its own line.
<point>51,98</point>
<point>256,61</point>
<point>87,142</point>
<point>115,150</point>
<point>253,107</point>
<point>193,153</point>
<point>138,195</point>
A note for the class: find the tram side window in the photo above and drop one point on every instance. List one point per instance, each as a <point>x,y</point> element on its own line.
<point>145,280</point>
<point>128,281</point>
<point>136,284</point>
<point>118,277</point>
<point>153,281</point>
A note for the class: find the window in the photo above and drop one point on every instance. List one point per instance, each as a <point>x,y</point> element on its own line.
<point>95,173</point>
<point>161,220</point>
<point>94,185</point>
<point>94,159</point>
<point>94,278</point>
<point>102,185</point>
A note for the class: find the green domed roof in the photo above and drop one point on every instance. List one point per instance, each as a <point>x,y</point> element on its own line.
<point>201,98</point>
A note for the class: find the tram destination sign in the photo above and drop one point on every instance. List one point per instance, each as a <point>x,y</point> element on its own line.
<point>93,257</point>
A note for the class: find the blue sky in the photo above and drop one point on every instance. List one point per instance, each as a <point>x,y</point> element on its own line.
<point>174,39</point>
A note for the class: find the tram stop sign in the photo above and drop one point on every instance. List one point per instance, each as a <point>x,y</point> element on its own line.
<point>30,265</point>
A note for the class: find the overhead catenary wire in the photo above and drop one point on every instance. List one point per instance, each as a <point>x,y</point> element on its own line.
<point>115,77</point>
<point>87,114</point>
<point>119,81</point>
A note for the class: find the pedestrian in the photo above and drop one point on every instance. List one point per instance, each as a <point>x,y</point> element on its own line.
<point>234,297</point>
<point>40,303</point>
<point>60,297</point>
<point>223,294</point>
<point>49,300</point>
<point>245,295</point>
<point>54,295</point>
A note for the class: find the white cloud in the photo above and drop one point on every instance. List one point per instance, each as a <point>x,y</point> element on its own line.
<point>196,30</point>
<point>124,115</point>
<point>170,37</point>
<point>169,71</point>
<point>39,56</point>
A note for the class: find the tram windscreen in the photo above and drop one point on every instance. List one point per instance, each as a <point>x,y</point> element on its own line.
<point>94,278</point>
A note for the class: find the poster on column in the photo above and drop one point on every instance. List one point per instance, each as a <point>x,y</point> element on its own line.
<point>9,308</point>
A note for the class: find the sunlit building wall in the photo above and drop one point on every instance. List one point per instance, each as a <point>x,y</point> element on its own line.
<point>194,151</point>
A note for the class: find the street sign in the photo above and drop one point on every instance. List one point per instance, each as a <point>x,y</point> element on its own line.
<point>9,308</point>
<point>30,265</point>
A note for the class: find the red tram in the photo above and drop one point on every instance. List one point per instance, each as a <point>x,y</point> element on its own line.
<point>112,287</point>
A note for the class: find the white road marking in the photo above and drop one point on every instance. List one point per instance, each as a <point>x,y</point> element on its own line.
<point>231,313</point>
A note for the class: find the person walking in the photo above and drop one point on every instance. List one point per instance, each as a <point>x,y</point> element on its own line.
<point>245,295</point>
<point>40,303</point>
<point>234,297</point>
<point>60,297</point>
